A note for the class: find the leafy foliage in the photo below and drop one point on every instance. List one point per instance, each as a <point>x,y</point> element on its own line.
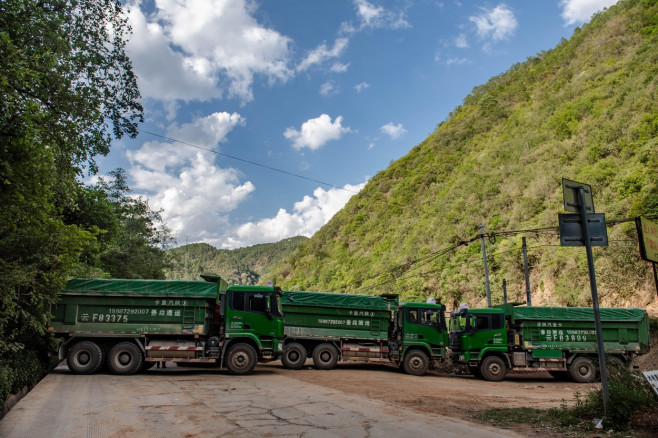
<point>586,111</point>
<point>66,89</point>
<point>247,266</point>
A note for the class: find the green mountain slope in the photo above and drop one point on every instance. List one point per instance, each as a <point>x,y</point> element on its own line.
<point>239,266</point>
<point>586,110</point>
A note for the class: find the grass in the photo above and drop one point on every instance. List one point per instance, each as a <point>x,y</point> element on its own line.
<point>633,407</point>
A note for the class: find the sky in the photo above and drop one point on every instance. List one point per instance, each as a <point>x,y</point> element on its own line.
<point>262,118</point>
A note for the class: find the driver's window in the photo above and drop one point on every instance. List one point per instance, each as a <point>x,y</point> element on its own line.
<point>481,322</point>
<point>413,316</point>
<point>258,303</point>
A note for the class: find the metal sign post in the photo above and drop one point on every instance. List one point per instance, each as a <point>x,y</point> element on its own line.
<point>595,303</point>
<point>588,230</point>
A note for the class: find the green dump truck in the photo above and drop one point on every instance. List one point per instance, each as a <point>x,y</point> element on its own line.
<point>129,325</point>
<point>560,340</point>
<point>330,327</point>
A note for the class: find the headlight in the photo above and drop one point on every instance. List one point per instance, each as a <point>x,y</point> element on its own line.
<point>280,346</point>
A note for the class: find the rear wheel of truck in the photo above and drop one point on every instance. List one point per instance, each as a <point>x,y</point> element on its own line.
<point>241,359</point>
<point>85,357</point>
<point>325,356</point>
<point>415,363</point>
<point>125,358</point>
<point>493,369</point>
<point>582,370</point>
<point>295,356</point>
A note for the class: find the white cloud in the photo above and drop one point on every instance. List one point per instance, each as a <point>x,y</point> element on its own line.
<point>323,53</point>
<point>496,24</point>
<point>362,86</point>
<point>315,133</point>
<point>457,61</point>
<point>580,11</point>
<point>201,49</point>
<point>394,131</point>
<point>376,17</point>
<point>461,41</point>
<point>339,67</point>
<point>307,216</point>
<point>194,194</point>
<point>329,89</point>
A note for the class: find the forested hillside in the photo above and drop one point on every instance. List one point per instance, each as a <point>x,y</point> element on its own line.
<point>238,266</point>
<point>586,111</point>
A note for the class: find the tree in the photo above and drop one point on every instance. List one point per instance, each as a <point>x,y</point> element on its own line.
<point>66,90</point>
<point>130,237</point>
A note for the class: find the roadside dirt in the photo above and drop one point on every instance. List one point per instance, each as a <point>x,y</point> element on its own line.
<point>439,392</point>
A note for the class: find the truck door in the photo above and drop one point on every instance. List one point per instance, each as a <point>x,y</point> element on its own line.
<point>252,312</point>
<point>424,326</point>
<point>486,330</point>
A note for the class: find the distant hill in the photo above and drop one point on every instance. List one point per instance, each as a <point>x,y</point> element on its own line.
<point>240,266</point>
<point>587,110</point>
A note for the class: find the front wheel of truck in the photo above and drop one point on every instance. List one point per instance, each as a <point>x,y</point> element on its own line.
<point>493,369</point>
<point>125,358</point>
<point>294,357</point>
<point>415,363</point>
<point>583,370</point>
<point>241,359</point>
<point>85,357</point>
<point>325,356</point>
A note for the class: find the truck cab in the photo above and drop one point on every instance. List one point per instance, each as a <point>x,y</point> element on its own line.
<point>476,335</point>
<point>422,336</point>
<point>254,313</point>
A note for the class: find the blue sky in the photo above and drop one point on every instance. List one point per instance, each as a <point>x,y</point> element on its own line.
<point>330,90</point>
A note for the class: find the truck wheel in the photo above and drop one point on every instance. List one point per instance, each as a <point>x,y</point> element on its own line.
<point>125,358</point>
<point>415,363</point>
<point>325,356</point>
<point>241,359</point>
<point>493,369</point>
<point>582,370</point>
<point>85,357</point>
<point>294,357</point>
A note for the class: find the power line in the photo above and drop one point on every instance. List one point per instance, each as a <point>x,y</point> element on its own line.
<point>254,163</point>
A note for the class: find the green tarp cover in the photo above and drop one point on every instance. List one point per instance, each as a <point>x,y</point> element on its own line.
<point>577,313</point>
<point>142,288</point>
<point>326,299</point>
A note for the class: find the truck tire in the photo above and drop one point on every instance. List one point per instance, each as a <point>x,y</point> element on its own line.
<point>85,357</point>
<point>241,358</point>
<point>125,358</point>
<point>493,369</point>
<point>415,363</point>
<point>325,356</point>
<point>294,357</point>
<point>583,370</point>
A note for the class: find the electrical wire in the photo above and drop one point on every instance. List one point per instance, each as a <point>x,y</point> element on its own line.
<point>254,163</point>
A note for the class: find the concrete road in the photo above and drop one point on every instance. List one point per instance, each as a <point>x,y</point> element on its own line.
<point>187,403</point>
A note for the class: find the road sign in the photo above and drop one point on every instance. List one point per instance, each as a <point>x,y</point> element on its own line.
<point>652,377</point>
<point>571,230</point>
<point>570,194</point>
<point>648,236</point>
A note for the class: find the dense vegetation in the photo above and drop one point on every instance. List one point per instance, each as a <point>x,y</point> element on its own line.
<point>66,91</point>
<point>240,266</point>
<point>586,110</point>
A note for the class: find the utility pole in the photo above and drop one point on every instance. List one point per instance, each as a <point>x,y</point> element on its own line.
<point>486,268</point>
<point>528,299</point>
